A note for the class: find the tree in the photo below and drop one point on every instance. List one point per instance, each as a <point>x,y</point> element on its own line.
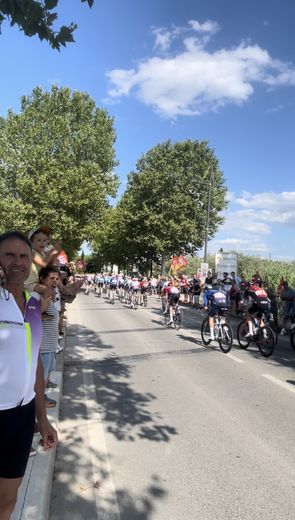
<point>35,17</point>
<point>165,204</point>
<point>56,167</point>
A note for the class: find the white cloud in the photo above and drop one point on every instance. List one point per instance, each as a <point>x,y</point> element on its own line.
<point>163,38</point>
<point>209,26</point>
<point>269,206</point>
<point>247,246</point>
<point>250,220</point>
<point>194,79</point>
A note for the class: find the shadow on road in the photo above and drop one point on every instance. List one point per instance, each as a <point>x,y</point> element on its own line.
<point>76,498</point>
<point>125,412</point>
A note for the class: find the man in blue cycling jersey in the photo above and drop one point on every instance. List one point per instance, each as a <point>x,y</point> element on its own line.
<point>215,300</point>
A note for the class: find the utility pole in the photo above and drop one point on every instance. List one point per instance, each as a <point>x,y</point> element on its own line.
<point>211,181</point>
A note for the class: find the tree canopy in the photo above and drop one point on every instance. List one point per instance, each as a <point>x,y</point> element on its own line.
<point>34,17</point>
<point>56,167</point>
<point>163,210</point>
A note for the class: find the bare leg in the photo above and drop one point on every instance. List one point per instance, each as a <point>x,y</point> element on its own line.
<point>8,495</point>
<point>211,327</point>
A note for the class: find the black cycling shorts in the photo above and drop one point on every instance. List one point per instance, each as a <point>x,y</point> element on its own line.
<point>16,435</point>
<point>216,308</point>
<point>258,309</point>
<point>173,298</point>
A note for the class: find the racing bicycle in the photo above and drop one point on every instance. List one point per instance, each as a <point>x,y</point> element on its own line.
<point>223,333</point>
<point>177,317</point>
<point>263,335</point>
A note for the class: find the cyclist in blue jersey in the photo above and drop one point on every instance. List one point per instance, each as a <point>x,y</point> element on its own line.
<point>214,300</point>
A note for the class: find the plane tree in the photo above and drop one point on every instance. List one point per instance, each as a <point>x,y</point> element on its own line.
<point>57,161</point>
<point>165,204</point>
<point>35,17</point>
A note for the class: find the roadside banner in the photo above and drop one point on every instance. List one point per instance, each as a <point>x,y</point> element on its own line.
<point>226,263</point>
<point>204,271</point>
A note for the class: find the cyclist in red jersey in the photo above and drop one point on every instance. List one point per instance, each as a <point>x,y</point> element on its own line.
<point>144,284</point>
<point>260,303</point>
<point>172,296</point>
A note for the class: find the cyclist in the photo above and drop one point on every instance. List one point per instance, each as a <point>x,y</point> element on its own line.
<point>113,286</point>
<point>172,296</point>
<point>100,282</point>
<point>259,303</point>
<point>144,284</point>
<point>88,283</point>
<point>215,299</point>
<point>135,288</point>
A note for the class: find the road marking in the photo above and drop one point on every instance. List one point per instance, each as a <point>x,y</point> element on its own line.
<point>234,358</point>
<point>105,495</point>
<point>287,386</point>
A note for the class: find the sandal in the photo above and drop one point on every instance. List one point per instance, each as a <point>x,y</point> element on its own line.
<point>50,403</point>
<point>50,384</point>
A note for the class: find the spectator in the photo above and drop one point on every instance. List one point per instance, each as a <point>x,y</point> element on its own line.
<point>184,287</point>
<point>21,372</point>
<point>209,278</point>
<point>196,290</point>
<point>40,258</point>
<point>287,297</point>
<point>227,286</point>
<point>234,291</point>
<point>49,277</point>
<point>256,278</point>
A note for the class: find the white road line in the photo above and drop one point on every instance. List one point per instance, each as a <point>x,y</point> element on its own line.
<point>287,386</point>
<point>234,358</point>
<point>105,495</point>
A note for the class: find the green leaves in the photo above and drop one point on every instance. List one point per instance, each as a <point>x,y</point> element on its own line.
<point>57,162</point>
<point>163,210</point>
<point>50,4</point>
<point>35,17</point>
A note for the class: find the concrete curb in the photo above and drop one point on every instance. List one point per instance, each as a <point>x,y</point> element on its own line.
<point>35,491</point>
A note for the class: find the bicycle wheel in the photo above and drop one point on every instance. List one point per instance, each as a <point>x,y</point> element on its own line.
<point>178,319</point>
<point>265,340</point>
<point>145,300</point>
<point>205,332</point>
<point>135,303</point>
<point>292,338</point>
<point>242,330</point>
<point>226,341</point>
<point>166,318</point>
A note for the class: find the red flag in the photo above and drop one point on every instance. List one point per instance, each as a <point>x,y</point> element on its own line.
<point>182,261</point>
<point>63,258</point>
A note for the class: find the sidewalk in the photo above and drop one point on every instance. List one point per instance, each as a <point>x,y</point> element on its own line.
<point>35,491</point>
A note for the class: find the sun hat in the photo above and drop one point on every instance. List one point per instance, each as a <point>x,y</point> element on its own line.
<point>44,229</point>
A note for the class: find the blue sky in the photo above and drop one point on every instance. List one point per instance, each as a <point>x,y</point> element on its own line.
<point>216,70</point>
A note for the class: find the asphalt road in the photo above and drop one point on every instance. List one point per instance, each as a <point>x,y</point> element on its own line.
<point>155,426</point>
